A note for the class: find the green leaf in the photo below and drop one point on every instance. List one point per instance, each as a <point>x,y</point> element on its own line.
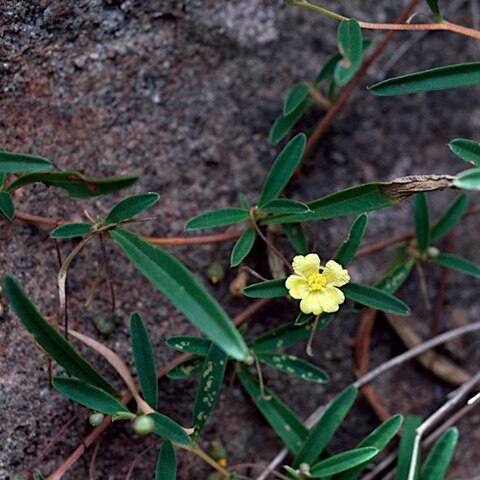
<point>49,338</point>
<point>195,345</point>
<point>436,465</point>
<point>283,420</point>
<point>452,215</point>
<point>186,369</point>
<point>374,298</point>
<point>131,206</point>
<point>285,206</point>
<point>144,359</point>
<point>440,78</point>
<point>286,335</point>
<point>347,251</point>
<point>282,169</point>
<point>71,230</point>
<point>170,430</point>
<point>268,289</point>
<point>422,221</point>
<point>351,201</point>
<point>242,247</point>
<point>6,205</point>
<point>467,150</point>
<point>297,94</point>
<point>75,183</point>
<point>297,238</point>
<point>218,218</point>
<point>454,262</point>
<point>343,461</point>
<point>244,203</point>
<point>179,285</point>
<point>379,439</point>
<point>468,179</point>
<point>325,428</point>
<point>395,277</point>
<point>294,366</point>
<point>433,5</point>
<point>209,387</point>
<point>88,395</point>
<point>166,468</point>
<point>282,125</point>
<point>412,422</point>
<point>21,162</point>
<point>350,44</point>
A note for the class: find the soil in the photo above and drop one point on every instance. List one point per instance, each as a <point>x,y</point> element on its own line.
<point>184,92</point>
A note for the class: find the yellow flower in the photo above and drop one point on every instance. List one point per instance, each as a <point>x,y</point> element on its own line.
<point>316,286</point>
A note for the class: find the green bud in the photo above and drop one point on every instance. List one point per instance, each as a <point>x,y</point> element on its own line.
<point>216,450</point>
<point>103,325</point>
<point>215,272</point>
<point>143,425</point>
<point>433,252</point>
<point>96,419</point>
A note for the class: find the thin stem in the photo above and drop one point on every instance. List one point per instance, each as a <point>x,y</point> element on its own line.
<point>260,380</point>
<point>207,459</point>
<point>309,348</point>
<point>315,8</point>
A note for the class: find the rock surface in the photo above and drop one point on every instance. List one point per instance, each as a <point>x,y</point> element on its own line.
<point>184,92</point>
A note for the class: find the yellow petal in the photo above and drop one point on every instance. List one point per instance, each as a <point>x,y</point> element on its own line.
<point>297,286</point>
<point>326,300</point>
<point>332,299</point>
<point>306,266</point>
<point>335,274</point>
<point>312,303</point>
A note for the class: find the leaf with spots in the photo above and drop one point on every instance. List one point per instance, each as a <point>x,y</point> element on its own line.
<point>186,369</point>
<point>294,366</point>
<point>209,387</point>
<point>187,344</point>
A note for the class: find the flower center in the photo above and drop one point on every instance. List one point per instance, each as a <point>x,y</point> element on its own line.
<point>316,282</point>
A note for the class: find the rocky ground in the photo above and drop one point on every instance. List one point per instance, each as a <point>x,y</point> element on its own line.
<point>184,92</point>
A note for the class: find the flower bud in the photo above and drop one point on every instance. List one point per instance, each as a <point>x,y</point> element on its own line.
<point>143,425</point>
<point>96,419</point>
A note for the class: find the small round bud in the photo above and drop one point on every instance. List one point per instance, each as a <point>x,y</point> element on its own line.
<point>433,252</point>
<point>215,272</point>
<point>96,419</point>
<point>304,468</point>
<point>104,325</point>
<point>143,425</point>
<point>217,451</point>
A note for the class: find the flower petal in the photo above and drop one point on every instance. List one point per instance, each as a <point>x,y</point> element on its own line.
<point>335,274</point>
<point>306,266</point>
<point>312,303</point>
<point>326,300</point>
<point>297,286</point>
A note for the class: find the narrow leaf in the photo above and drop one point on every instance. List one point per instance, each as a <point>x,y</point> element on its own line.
<point>195,345</point>
<point>75,183</point>
<point>422,222</point>
<point>88,395</point>
<point>242,247</point>
<point>297,94</point>
<point>284,124</point>
<point>283,420</point>
<point>347,251</point>
<point>187,369</point>
<point>433,4</point>
<point>287,334</point>
<point>379,439</point>
<point>454,262</point>
<point>294,366</point>
<point>297,238</point>
<point>452,215</point>
<point>217,218</point>
<point>343,461</point>
<point>437,462</point>
<point>350,44</point>
<point>208,392</point>
<point>283,168</point>
<point>170,430</point>
<point>71,230</point>
<point>468,179</point>
<point>179,285</point>
<point>144,359</point>
<point>6,205</point>
<point>268,289</point>
<point>325,428</point>
<point>440,78</point>
<point>21,163</point>
<point>395,277</point>
<point>374,298</point>
<point>166,468</point>
<point>285,206</point>
<point>131,206</point>
<point>412,422</point>
<point>467,150</point>
<point>49,338</point>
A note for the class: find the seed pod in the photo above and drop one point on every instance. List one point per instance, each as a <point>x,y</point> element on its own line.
<point>217,451</point>
<point>143,425</point>
<point>96,419</point>
<point>215,272</point>
<point>103,325</point>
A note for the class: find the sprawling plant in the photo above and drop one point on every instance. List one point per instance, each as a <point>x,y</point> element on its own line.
<point>315,289</point>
